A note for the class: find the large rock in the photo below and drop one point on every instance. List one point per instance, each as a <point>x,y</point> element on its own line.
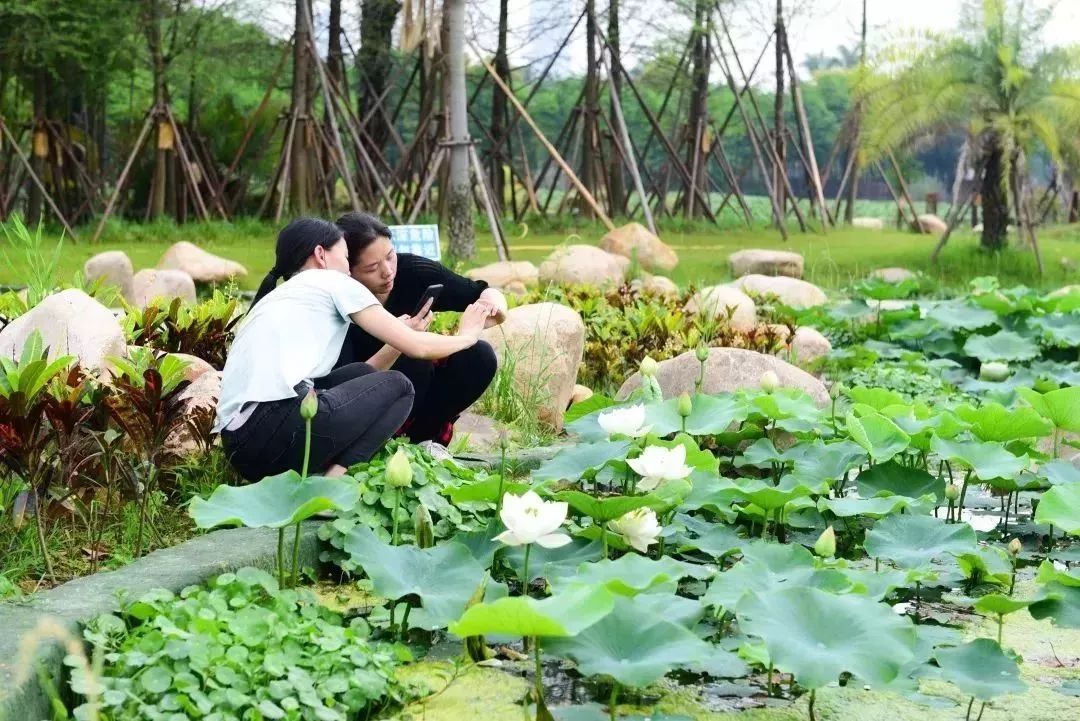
<point>660,286</point>
<point>718,300</point>
<point>479,433</point>
<point>792,292</point>
<point>868,223</point>
<point>203,267</point>
<point>584,265</point>
<point>809,345</point>
<point>506,273</point>
<point>544,342</point>
<point>71,323</point>
<point>766,262</point>
<point>726,370</point>
<point>635,240</point>
<point>164,284</point>
<point>930,223</point>
<point>892,275</point>
<point>199,398</point>
<point>112,268</point>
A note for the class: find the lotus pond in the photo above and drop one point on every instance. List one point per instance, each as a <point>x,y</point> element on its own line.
<point>893,553</point>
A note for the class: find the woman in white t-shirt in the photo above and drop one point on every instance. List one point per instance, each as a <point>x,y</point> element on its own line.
<point>289,343</point>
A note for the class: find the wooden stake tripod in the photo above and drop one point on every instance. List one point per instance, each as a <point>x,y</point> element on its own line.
<point>5,133</point>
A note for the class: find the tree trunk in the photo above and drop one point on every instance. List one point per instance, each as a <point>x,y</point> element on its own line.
<point>374,61</point>
<point>778,110</point>
<point>617,187</point>
<point>853,186</point>
<point>35,199</point>
<point>459,193</point>
<point>498,111</point>
<point>335,73</point>
<point>589,147</point>
<point>301,183</point>
<point>995,201</point>
<point>698,118</point>
<point>165,139</point>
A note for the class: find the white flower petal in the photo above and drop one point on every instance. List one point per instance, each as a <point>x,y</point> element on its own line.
<point>508,538</point>
<point>553,540</point>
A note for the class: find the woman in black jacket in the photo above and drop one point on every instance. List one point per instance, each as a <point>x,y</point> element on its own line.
<point>444,388</point>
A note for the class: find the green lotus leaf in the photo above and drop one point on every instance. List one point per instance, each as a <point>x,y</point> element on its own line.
<point>696,458</point>
<point>980,668</point>
<point>1057,329</point>
<point>879,436</point>
<point>637,648</point>
<point>1059,602</point>
<point>995,422</point>
<point>912,541</point>
<point>986,564</point>
<point>1000,604</point>
<point>1059,473</point>
<point>761,454</point>
<point>275,501</point>
<point>443,577</point>
<point>564,614</point>
<point>849,507</point>
<point>1060,507</point>
<point>1049,573</point>
<point>605,509</point>
<point>875,585</point>
<point>959,315</point>
<point>574,462</point>
<point>987,460</point>
<point>769,567</point>
<point>816,636</point>
<point>786,403</point>
<point>632,574</point>
<point>817,461</point>
<point>1062,406</point>
<point>709,415</point>
<point>767,496</point>
<point>876,398</point>
<point>1002,346</point>
<point>893,479</point>
<point>550,562</point>
<point>713,539</point>
<point>592,405</point>
<point>485,490</point>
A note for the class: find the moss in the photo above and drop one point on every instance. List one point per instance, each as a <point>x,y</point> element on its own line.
<point>348,599</point>
<point>466,694</point>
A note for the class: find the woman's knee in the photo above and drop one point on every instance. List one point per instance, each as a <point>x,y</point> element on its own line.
<point>483,359</point>
<point>402,383</point>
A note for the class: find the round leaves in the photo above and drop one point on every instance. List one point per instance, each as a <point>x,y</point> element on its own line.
<point>980,669</point>
<point>275,501</point>
<point>912,541</point>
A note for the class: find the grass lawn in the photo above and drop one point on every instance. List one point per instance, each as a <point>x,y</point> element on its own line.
<point>833,260</point>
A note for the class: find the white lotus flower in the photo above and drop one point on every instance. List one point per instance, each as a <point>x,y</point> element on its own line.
<point>629,421</point>
<point>530,519</point>
<point>638,527</point>
<point>658,465</point>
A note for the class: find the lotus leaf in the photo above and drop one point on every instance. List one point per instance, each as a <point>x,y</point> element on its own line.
<point>1004,345</point>
<point>1000,604</point>
<point>980,668</point>
<point>563,614</point>
<point>1060,507</point>
<point>995,422</point>
<point>893,479</point>
<point>275,501</point>
<point>632,574</point>
<point>879,436</point>
<point>849,507</point>
<point>987,460</point>
<point>769,567</point>
<point>1062,406</point>
<point>576,461</point>
<point>1058,329</point>
<point>912,541</point>
<point>959,315</point>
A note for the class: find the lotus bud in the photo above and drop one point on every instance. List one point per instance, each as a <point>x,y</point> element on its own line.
<point>1015,547</point>
<point>399,471</point>
<point>686,406</point>
<point>837,390</point>
<point>648,367</point>
<point>702,353</point>
<point>309,407</point>
<point>952,492</point>
<point>423,527</point>
<point>825,546</point>
<point>769,381</point>
<point>504,439</point>
<point>994,372</point>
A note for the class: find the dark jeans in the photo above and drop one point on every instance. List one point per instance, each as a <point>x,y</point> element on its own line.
<point>360,408</point>
<point>444,389</point>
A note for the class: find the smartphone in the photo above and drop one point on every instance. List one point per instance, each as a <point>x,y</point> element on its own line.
<point>432,293</point>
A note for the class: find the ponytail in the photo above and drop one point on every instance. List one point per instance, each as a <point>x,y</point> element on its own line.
<point>295,244</point>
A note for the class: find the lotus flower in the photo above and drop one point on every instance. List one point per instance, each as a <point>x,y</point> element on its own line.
<point>658,465</point>
<point>769,381</point>
<point>629,421</point>
<point>399,472</point>
<point>639,527</point>
<point>825,546</point>
<point>530,519</point>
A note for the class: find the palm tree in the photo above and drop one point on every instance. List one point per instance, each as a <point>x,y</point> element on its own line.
<point>996,80</point>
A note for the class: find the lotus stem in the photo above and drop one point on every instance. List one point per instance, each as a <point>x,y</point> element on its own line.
<point>525,572</point>
<point>1012,582</point>
<point>296,556</point>
<point>813,698</point>
<point>769,681</point>
<point>1057,442</point>
<point>613,702</point>
<point>1001,626</point>
<point>397,507</point>
<point>982,707</point>
<point>539,674</point>
<point>963,494</point>
<point>404,628</point>
<point>281,556</point>
<point>967,716</point>
<point>307,448</point>
<point>603,539</point>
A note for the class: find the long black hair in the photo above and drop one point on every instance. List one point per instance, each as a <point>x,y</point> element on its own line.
<point>360,231</point>
<point>295,244</point>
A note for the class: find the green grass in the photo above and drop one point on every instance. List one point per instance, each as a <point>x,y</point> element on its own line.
<point>833,259</point>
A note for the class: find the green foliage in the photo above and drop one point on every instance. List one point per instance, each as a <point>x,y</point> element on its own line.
<point>274,502</point>
<point>240,648</point>
<point>204,330</point>
<point>40,266</point>
<point>980,669</point>
<point>912,541</point>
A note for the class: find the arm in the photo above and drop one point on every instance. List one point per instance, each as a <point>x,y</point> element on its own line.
<point>458,293</point>
<point>384,358</point>
<point>420,344</point>
<point>497,301</point>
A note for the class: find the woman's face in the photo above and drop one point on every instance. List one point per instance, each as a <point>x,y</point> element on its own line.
<point>376,267</point>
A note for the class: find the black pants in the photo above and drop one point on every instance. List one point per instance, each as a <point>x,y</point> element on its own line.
<point>360,408</point>
<point>444,389</point>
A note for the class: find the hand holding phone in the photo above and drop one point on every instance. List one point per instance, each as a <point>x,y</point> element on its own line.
<point>430,295</point>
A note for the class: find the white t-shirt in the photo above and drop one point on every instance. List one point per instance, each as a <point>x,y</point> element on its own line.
<point>294,333</point>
